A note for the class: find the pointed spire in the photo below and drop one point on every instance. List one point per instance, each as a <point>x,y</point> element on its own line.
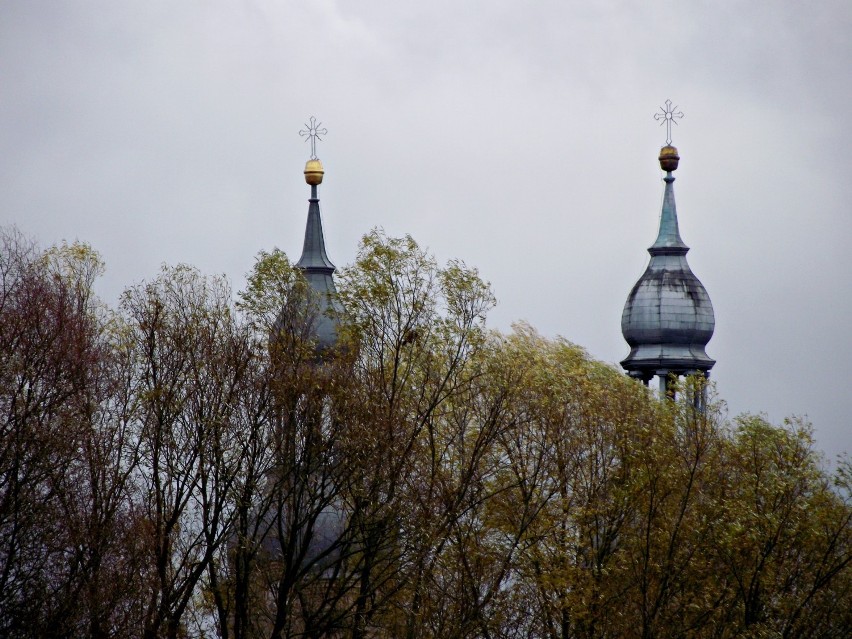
<point>314,256</point>
<point>314,262</point>
<point>668,239</point>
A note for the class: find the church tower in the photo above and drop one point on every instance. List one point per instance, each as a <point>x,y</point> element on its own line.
<point>668,317</point>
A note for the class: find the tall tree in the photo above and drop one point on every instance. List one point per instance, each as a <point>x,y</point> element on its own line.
<point>188,375</point>
<point>65,565</point>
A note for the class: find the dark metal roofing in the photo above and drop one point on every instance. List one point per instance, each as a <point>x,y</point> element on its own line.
<point>668,317</point>
<point>318,270</point>
<point>313,251</point>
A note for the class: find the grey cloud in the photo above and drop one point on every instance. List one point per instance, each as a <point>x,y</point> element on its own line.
<point>516,137</point>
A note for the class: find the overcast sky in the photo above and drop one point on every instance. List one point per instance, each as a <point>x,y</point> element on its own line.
<point>516,136</point>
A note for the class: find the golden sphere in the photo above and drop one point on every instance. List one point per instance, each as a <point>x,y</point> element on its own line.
<point>314,172</point>
<point>668,158</point>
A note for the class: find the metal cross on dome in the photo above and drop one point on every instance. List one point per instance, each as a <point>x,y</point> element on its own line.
<point>313,132</point>
<point>668,114</point>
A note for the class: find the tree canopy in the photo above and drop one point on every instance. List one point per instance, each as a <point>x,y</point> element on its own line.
<point>186,465</point>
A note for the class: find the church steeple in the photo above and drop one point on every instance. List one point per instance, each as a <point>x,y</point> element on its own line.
<point>668,317</point>
<point>313,251</point>
<point>314,263</point>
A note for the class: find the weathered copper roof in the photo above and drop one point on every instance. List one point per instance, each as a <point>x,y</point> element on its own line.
<point>668,317</point>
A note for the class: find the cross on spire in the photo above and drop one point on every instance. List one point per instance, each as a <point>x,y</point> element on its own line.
<point>667,115</point>
<point>312,132</point>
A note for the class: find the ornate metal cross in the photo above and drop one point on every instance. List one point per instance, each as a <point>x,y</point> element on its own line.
<point>667,115</point>
<point>312,132</point>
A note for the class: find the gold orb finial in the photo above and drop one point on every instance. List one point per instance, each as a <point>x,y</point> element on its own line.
<point>669,158</point>
<point>314,172</point>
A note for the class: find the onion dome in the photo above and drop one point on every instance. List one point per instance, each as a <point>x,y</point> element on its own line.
<point>668,318</point>
<point>316,266</point>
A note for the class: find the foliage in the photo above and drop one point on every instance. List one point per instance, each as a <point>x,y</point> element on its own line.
<point>190,465</point>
